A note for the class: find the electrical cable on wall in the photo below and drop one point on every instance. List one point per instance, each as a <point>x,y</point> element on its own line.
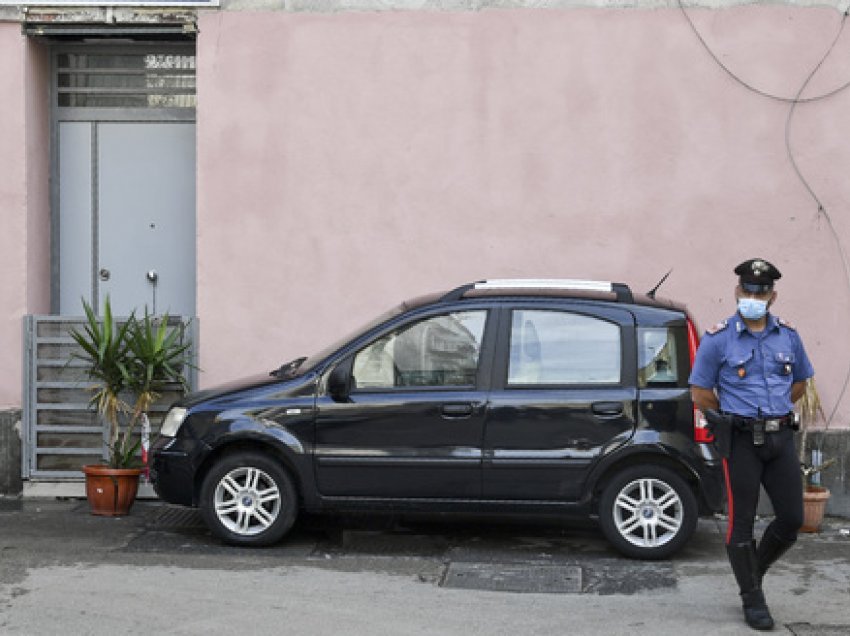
<point>821,208</point>
<point>791,110</point>
<point>797,99</point>
<point>749,86</point>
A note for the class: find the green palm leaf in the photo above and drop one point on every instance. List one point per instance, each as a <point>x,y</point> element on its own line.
<point>138,358</point>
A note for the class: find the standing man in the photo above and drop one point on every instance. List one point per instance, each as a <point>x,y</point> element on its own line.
<point>749,371</point>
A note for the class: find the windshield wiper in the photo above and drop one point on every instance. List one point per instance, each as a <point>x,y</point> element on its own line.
<point>289,367</point>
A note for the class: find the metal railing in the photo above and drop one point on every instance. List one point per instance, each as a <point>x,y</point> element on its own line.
<point>62,432</point>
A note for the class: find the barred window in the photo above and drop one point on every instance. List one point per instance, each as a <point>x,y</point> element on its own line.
<point>140,80</point>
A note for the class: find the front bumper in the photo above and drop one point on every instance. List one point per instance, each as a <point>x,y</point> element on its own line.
<point>173,472</point>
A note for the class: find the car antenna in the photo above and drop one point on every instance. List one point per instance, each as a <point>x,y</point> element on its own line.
<point>651,292</point>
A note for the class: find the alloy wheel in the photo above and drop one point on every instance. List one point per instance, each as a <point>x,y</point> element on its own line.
<point>648,512</point>
<point>247,501</point>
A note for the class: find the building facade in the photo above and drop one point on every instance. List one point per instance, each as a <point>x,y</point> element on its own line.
<point>281,171</point>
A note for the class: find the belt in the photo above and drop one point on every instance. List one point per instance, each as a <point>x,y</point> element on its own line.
<point>771,424</point>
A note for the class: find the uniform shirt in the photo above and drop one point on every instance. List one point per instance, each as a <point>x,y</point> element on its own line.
<point>752,372</point>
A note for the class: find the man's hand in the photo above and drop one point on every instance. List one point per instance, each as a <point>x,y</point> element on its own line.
<point>721,428</point>
<point>705,399</point>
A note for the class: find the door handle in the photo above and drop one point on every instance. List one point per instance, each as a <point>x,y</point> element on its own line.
<point>457,410</point>
<point>607,409</point>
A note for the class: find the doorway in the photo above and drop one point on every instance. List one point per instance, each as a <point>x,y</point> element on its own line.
<point>124,165</point>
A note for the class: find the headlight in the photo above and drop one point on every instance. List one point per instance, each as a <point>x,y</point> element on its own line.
<point>171,423</point>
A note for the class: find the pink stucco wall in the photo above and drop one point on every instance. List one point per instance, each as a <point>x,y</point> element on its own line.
<point>24,200</point>
<point>37,108</point>
<point>13,208</point>
<point>348,161</point>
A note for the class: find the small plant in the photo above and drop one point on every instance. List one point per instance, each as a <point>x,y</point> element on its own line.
<point>811,411</point>
<point>131,364</point>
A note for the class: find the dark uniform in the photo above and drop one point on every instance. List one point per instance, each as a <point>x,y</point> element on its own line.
<point>752,373</point>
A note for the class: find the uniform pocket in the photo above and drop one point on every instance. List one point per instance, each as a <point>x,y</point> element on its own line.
<point>739,358</point>
<point>784,362</point>
<point>740,366</point>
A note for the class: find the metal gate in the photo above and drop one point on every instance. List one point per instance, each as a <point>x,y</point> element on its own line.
<point>62,432</point>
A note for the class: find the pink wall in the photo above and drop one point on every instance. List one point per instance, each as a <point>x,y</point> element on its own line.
<point>37,108</point>
<point>348,161</point>
<point>24,200</point>
<point>13,210</point>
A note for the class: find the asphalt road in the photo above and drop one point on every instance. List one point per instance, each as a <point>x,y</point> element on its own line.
<point>63,571</point>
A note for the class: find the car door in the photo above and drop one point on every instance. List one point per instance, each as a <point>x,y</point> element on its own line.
<point>411,423</point>
<point>563,394</point>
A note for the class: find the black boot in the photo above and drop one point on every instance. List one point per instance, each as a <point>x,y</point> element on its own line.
<point>744,562</point>
<point>772,547</point>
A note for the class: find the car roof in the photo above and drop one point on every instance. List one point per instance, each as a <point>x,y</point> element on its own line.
<point>544,288</point>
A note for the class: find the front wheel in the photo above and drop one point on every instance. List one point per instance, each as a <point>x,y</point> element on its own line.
<point>248,499</point>
<point>648,512</point>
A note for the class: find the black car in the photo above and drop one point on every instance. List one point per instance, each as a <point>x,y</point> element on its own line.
<point>530,397</point>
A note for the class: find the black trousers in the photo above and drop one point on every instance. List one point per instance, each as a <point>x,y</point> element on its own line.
<point>775,465</point>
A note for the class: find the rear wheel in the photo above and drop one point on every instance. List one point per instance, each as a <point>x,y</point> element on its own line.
<point>249,499</point>
<point>648,512</point>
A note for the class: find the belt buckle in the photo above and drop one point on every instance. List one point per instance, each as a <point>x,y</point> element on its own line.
<point>772,426</point>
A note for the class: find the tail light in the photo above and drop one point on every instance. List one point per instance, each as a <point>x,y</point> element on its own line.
<point>701,432</point>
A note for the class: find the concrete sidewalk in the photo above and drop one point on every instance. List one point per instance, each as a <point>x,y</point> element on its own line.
<point>64,571</point>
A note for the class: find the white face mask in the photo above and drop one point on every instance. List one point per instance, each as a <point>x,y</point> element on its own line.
<point>752,308</point>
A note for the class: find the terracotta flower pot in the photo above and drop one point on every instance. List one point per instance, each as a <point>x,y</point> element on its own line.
<point>111,491</point>
<point>814,506</point>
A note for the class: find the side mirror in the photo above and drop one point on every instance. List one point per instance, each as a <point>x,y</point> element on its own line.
<point>339,382</point>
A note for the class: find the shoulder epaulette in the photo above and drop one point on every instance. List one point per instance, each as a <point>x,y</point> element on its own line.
<point>720,326</point>
<point>785,323</point>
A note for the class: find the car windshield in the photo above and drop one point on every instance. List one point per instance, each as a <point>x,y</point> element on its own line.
<point>316,358</point>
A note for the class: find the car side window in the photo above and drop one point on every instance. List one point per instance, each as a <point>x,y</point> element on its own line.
<point>661,357</point>
<point>562,348</point>
<point>439,351</point>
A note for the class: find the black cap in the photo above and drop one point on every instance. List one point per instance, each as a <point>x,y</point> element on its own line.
<point>757,275</point>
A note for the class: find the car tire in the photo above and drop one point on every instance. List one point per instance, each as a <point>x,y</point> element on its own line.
<point>248,499</point>
<point>648,512</point>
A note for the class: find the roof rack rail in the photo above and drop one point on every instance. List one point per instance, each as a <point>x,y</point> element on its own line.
<point>621,290</point>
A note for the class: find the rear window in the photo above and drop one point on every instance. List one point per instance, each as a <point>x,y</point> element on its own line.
<point>662,357</point>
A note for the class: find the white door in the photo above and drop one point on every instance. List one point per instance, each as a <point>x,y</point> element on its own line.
<point>125,173</point>
<point>127,216</point>
<point>146,232</point>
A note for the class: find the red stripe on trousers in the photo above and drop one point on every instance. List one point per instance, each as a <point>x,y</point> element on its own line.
<point>730,499</point>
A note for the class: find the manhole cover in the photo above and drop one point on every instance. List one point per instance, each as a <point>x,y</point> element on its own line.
<point>11,505</point>
<point>514,577</point>
<point>175,518</point>
<point>807,629</point>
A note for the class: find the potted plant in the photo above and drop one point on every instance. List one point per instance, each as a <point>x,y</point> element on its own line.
<point>815,496</point>
<point>130,364</point>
